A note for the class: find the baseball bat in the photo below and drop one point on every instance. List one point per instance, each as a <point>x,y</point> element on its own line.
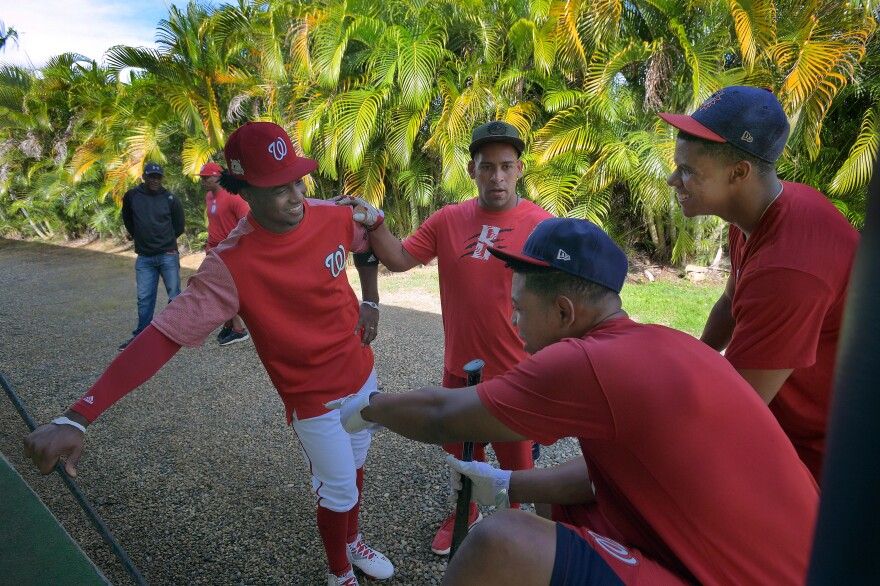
<point>87,507</point>
<point>474,370</point>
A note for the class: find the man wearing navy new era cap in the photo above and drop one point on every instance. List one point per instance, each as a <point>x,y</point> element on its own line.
<point>672,488</point>
<point>283,269</point>
<point>791,253</point>
<point>153,217</point>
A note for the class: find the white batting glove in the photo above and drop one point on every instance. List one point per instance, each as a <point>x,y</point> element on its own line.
<point>350,408</point>
<point>364,212</point>
<point>489,485</point>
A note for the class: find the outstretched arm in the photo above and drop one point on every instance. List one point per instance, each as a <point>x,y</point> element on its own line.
<point>433,415</point>
<point>385,245</point>
<point>135,365</point>
<point>391,251</point>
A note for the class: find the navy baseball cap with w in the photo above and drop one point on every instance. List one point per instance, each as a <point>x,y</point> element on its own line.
<point>577,247</point>
<point>749,118</point>
<point>261,154</point>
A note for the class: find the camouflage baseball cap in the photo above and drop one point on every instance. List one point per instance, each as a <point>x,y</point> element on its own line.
<point>496,131</point>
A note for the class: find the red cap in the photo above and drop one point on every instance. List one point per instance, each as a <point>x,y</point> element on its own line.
<point>211,170</point>
<point>261,154</point>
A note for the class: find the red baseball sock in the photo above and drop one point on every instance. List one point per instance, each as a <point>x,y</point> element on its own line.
<point>353,513</point>
<point>333,526</point>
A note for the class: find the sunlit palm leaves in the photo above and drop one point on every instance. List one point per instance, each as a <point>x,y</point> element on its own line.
<point>385,96</point>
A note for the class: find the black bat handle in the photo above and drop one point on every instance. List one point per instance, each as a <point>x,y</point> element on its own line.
<point>474,370</point>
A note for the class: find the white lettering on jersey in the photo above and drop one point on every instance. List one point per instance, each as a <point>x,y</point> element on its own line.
<point>615,549</point>
<point>335,261</point>
<point>485,241</point>
<point>90,400</point>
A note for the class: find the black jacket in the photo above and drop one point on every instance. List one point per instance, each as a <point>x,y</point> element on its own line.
<point>154,220</point>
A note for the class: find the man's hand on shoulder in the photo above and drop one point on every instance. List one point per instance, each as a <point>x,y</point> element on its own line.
<point>46,444</point>
<point>363,213</point>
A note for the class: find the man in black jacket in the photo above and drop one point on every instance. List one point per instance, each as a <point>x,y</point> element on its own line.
<point>153,217</point>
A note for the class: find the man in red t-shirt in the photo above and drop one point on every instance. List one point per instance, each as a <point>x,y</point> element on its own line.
<point>680,490</point>
<point>283,270</point>
<point>474,290</point>
<point>791,254</point>
<point>224,210</point>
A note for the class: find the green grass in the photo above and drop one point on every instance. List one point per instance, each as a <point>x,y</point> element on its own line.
<point>417,280</point>
<point>678,304</point>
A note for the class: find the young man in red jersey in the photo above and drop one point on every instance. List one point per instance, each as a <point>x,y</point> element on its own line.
<point>791,254</point>
<point>283,271</point>
<point>224,210</point>
<point>672,488</point>
<point>474,291</point>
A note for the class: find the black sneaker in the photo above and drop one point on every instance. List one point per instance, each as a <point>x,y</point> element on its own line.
<point>126,343</point>
<point>224,331</point>
<point>235,337</point>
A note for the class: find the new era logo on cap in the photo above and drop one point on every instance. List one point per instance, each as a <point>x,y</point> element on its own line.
<point>261,154</point>
<point>749,118</point>
<point>588,252</point>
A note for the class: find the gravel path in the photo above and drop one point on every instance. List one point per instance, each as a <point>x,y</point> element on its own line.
<point>196,473</point>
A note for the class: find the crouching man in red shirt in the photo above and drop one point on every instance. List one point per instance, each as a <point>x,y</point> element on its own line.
<point>674,487</point>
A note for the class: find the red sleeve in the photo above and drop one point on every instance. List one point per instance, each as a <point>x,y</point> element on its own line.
<point>422,245</point>
<point>133,367</point>
<point>241,207</point>
<point>779,315</point>
<point>551,395</point>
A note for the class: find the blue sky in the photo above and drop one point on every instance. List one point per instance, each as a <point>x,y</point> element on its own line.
<point>89,27</point>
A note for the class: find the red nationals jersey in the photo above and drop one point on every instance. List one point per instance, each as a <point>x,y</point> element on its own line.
<point>687,462</point>
<point>224,211</point>
<point>293,293</point>
<point>791,281</point>
<point>474,285</point>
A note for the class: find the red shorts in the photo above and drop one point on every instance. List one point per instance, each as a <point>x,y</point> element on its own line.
<point>577,547</point>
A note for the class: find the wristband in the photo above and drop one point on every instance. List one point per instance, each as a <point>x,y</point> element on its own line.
<point>71,422</point>
<point>376,224</point>
<point>372,304</point>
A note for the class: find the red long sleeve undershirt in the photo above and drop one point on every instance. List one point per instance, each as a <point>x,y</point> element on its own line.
<point>140,360</point>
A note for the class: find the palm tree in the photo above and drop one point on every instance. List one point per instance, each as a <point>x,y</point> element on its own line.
<point>7,34</point>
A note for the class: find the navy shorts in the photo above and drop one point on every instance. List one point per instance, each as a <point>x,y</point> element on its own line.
<point>578,564</point>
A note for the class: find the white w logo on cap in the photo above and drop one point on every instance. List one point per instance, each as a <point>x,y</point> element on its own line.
<point>278,149</point>
<point>562,255</point>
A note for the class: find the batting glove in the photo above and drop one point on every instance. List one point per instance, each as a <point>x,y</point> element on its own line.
<point>489,485</point>
<point>363,213</point>
<point>350,408</point>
